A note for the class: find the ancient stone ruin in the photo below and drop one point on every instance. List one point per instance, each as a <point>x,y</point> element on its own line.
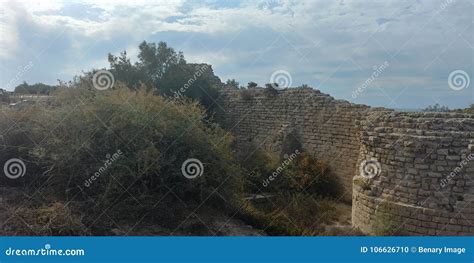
<point>417,169</point>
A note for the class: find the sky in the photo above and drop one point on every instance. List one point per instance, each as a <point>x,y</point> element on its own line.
<point>395,54</point>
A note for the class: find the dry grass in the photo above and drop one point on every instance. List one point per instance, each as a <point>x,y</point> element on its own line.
<point>55,219</point>
<point>300,214</point>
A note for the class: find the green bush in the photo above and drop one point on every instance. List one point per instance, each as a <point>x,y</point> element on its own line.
<point>252,85</point>
<point>38,88</point>
<point>270,90</point>
<point>4,96</point>
<point>307,173</point>
<point>436,108</point>
<point>258,165</point>
<point>295,214</point>
<point>142,141</point>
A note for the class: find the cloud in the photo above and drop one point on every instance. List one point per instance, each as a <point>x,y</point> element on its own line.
<point>327,44</point>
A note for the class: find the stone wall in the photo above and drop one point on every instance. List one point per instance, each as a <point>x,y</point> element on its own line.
<point>426,174</point>
<point>325,127</point>
<point>424,180</point>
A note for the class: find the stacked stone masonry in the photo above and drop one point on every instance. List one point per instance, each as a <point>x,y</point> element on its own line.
<point>426,159</point>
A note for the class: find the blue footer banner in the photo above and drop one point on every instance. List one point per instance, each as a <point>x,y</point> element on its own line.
<point>237,249</point>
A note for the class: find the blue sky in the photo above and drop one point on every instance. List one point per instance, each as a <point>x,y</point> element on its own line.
<point>334,46</point>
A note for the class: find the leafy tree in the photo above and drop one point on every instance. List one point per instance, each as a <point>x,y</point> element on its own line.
<point>190,80</point>
<point>233,83</point>
<point>153,62</point>
<point>4,96</point>
<point>252,85</point>
<point>270,89</point>
<point>166,72</point>
<point>271,85</point>
<point>154,59</point>
<point>123,70</point>
<point>38,88</point>
<point>436,108</point>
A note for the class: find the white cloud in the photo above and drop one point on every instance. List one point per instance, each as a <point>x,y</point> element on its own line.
<point>248,39</point>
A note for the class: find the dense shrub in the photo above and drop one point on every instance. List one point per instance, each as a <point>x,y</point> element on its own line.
<point>296,214</point>
<point>301,172</point>
<point>192,81</point>
<point>270,90</point>
<point>167,73</point>
<point>252,85</point>
<point>38,88</point>
<point>258,164</point>
<point>4,96</point>
<point>133,142</point>
<point>312,175</point>
<point>290,144</point>
<point>436,108</point>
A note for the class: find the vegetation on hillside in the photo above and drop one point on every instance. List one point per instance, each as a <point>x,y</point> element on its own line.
<point>166,72</point>
<point>436,108</point>
<point>4,96</point>
<point>67,145</point>
<point>300,197</point>
<point>36,89</point>
<point>470,109</point>
<point>110,158</point>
